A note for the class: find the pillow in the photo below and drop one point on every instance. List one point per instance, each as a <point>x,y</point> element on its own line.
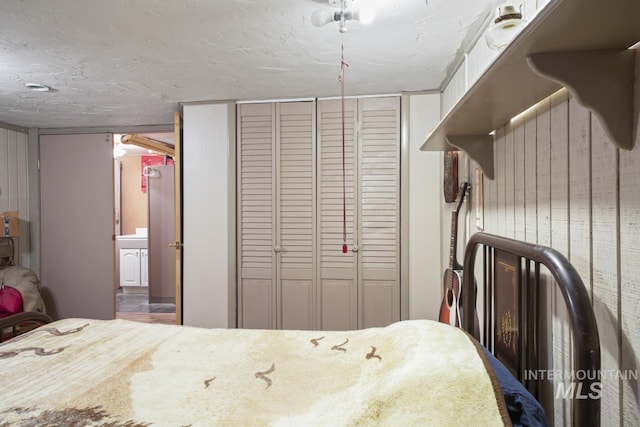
<point>27,283</point>
<point>524,409</point>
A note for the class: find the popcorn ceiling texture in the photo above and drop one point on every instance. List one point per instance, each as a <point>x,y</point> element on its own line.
<point>124,62</point>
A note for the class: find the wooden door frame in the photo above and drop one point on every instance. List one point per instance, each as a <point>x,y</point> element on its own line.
<point>177,159</point>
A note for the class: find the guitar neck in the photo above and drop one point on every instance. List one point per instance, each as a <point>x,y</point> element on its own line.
<point>453,259</point>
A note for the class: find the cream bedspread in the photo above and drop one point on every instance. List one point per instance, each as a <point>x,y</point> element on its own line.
<point>120,373</point>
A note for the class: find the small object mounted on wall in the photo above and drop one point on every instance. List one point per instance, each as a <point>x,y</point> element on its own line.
<point>450,176</point>
<point>10,224</point>
<point>507,24</point>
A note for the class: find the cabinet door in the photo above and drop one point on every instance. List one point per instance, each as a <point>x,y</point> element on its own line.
<point>379,176</point>
<point>144,267</point>
<point>129,267</point>
<point>295,184</point>
<point>256,221</point>
<point>338,272</point>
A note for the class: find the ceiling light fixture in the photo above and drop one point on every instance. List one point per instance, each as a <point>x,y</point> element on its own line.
<point>37,87</point>
<point>507,24</point>
<point>323,17</point>
<point>118,151</point>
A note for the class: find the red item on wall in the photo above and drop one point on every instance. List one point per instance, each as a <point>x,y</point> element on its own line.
<point>151,160</point>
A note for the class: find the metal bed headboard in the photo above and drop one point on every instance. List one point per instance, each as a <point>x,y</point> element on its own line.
<point>586,357</point>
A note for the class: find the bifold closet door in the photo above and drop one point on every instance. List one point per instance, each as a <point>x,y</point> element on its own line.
<point>361,288</point>
<point>379,213</point>
<point>296,212</point>
<point>256,211</point>
<point>338,272</point>
<point>276,167</point>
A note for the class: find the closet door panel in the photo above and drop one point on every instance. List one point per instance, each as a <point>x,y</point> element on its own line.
<point>379,176</point>
<point>256,222</point>
<point>257,306</point>
<point>338,297</point>
<point>295,138</point>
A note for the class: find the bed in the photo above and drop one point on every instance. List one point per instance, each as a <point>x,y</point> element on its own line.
<point>414,372</point>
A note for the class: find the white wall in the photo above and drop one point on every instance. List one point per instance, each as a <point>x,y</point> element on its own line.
<point>425,207</point>
<point>209,272</point>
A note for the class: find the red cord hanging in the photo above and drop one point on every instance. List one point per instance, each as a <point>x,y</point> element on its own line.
<point>344,174</point>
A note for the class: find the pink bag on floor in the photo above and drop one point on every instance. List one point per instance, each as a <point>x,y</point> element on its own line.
<point>10,301</point>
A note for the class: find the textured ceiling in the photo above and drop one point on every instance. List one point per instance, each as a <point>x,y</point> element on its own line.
<point>131,62</point>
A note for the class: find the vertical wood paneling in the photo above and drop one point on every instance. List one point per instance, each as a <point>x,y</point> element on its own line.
<point>543,224</point>
<point>531,177</point>
<point>605,263</point>
<point>500,147</point>
<point>22,170</point>
<point>629,273</point>
<point>488,205</point>
<point>559,116</point>
<point>14,187</point>
<point>519,181</point>
<point>456,87</point>
<point>509,185</point>
<point>580,190</point>
<point>12,184</point>
<point>560,238</point>
<point>543,164</point>
<point>580,196</point>
<point>478,59</point>
<point>4,170</point>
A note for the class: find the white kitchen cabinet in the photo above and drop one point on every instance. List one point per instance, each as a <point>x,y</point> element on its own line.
<point>134,267</point>
<point>144,267</point>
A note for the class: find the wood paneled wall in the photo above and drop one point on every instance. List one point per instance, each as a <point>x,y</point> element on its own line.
<point>560,182</point>
<point>14,187</point>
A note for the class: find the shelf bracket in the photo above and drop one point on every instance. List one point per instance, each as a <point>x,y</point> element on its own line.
<point>478,147</point>
<point>602,81</point>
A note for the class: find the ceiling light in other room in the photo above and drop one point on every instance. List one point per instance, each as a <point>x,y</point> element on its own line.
<point>37,87</point>
<point>508,23</point>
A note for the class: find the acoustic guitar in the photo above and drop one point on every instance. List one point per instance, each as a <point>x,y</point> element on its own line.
<point>451,306</point>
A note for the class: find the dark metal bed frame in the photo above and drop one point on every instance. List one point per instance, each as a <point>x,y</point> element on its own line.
<point>586,357</point>
<point>22,322</point>
<point>526,271</point>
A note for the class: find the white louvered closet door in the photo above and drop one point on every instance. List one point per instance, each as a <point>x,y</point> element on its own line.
<point>359,289</point>
<point>338,272</point>
<point>296,213</point>
<point>379,214</point>
<point>256,211</point>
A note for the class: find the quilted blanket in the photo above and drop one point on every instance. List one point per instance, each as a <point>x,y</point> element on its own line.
<point>118,373</point>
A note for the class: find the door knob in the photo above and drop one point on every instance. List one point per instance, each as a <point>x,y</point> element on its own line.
<point>177,245</point>
<point>355,248</point>
<point>277,249</point>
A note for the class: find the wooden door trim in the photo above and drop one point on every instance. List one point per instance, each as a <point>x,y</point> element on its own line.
<point>177,136</point>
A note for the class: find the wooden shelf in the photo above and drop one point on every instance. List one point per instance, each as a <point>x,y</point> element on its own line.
<point>581,44</point>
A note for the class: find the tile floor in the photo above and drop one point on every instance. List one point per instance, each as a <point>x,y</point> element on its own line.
<point>139,303</point>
